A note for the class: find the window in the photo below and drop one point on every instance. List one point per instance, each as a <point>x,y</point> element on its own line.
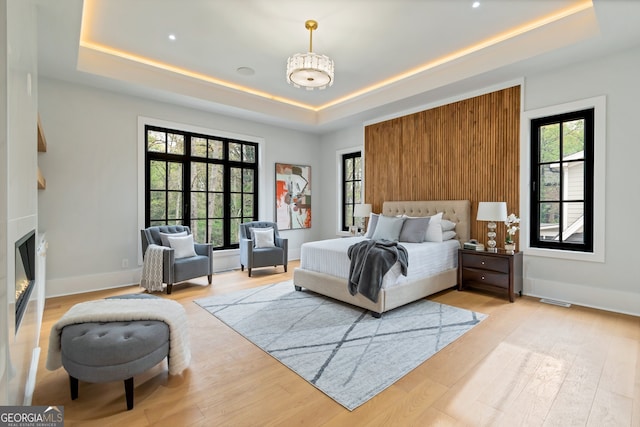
<point>351,186</point>
<point>206,182</point>
<point>562,181</point>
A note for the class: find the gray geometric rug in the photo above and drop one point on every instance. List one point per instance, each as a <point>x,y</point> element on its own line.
<point>341,349</point>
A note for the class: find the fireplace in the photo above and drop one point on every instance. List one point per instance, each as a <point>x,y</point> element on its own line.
<point>25,264</point>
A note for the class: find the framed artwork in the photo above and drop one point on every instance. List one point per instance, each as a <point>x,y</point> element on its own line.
<point>293,196</point>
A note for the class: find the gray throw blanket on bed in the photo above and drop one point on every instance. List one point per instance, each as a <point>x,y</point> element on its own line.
<point>370,261</point>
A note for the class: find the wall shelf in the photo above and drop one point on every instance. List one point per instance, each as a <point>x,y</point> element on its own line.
<point>42,148</point>
<point>42,141</point>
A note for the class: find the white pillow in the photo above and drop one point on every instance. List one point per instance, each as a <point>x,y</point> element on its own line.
<point>164,237</point>
<point>448,225</point>
<point>448,235</point>
<point>263,238</point>
<point>388,228</point>
<point>183,246</point>
<point>434,230</point>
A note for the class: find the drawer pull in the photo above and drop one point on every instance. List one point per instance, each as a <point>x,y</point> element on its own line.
<point>482,262</point>
<point>482,277</point>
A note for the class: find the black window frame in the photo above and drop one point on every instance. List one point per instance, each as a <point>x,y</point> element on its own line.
<point>588,115</point>
<point>186,160</point>
<point>348,207</point>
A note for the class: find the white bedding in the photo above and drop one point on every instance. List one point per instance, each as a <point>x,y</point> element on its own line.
<point>425,259</point>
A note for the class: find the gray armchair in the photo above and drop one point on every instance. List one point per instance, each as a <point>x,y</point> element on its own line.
<point>252,257</point>
<point>178,270</point>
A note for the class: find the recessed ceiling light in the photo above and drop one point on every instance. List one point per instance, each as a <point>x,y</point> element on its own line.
<point>172,36</point>
<point>475,4</point>
<point>246,71</point>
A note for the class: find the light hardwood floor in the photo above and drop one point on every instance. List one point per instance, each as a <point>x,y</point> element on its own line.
<point>528,364</point>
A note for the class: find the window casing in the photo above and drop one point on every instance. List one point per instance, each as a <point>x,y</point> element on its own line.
<point>351,187</point>
<point>562,181</point>
<point>207,182</point>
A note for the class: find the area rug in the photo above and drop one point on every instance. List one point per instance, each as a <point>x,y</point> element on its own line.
<point>341,349</point>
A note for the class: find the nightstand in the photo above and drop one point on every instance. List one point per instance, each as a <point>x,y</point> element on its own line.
<point>494,271</point>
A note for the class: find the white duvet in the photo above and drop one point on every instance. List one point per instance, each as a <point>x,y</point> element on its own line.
<point>425,259</point>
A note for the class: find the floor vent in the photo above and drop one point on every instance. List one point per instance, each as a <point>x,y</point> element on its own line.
<point>555,302</point>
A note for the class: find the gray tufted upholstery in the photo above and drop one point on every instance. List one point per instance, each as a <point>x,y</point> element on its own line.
<point>178,270</point>
<point>112,351</point>
<point>251,257</point>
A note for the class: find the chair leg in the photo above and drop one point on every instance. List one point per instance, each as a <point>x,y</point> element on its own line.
<point>169,289</point>
<point>209,278</point>
<point>241,267</point>
<point>285,268</point>
<point>128,392</point>
<point>248,269</point>
<point>73,384</point>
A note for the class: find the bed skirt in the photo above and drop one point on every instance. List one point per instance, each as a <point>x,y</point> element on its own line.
<point>388,299</point>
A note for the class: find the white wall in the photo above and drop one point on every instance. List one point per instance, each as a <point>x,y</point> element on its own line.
<point>89,209</point>
<point>611,285</point>
<point>4,179</point>
<point>19,193</point>
<point>332,143</point>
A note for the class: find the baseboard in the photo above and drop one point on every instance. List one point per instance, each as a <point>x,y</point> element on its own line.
<point>30,386</point>
<point>92,282</point>
<point>222,261</point>
<point>587,296</point>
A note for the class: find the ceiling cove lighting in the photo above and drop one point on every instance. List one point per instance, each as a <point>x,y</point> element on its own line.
<point>310,70</point>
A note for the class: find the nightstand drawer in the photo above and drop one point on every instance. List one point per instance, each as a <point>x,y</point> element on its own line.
<point>485,276</point>
<point>486,262</point>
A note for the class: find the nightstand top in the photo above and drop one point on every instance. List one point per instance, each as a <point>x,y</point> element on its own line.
<point>500,252</point>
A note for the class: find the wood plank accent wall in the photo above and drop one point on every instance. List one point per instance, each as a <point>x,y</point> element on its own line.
<point>469,150</point>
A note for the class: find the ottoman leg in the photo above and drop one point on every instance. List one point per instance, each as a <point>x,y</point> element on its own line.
<point>73,383</point>
<point>128,391</point>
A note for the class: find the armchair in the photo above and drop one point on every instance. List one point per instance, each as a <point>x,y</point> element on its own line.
<point>252,256</point>
<point>178,269</point>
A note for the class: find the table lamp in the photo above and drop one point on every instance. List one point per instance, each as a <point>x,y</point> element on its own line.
<point>492,212</point>
<point>361,211</point>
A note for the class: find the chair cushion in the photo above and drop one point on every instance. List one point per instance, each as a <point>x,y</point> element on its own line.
<point>188,268</point>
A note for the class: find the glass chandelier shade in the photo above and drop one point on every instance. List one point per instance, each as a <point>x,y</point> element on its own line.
<point>310,70</point>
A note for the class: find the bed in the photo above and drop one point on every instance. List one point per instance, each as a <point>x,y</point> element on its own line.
<point>328,277</point>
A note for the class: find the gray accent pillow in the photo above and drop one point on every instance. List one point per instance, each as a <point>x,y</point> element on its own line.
<point>414,229</point>
<point>388,228</point>
<point>371,227</point>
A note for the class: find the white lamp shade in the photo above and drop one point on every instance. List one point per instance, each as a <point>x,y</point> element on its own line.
<point>363,210</point>
<point>492,211</point>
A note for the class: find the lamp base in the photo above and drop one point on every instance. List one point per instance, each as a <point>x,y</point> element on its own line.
<point>491,243</point>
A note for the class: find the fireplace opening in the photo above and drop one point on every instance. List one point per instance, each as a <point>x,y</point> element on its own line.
<point>25,272</point>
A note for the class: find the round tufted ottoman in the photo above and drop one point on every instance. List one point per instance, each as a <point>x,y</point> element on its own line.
<point>111,351</point>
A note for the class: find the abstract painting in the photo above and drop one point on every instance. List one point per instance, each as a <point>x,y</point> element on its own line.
<point>293,196</point>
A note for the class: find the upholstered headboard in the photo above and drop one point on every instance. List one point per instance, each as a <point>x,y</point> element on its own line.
<point>458,211</point>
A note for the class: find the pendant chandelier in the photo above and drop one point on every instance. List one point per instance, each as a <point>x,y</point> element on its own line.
<point>310,70</point>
